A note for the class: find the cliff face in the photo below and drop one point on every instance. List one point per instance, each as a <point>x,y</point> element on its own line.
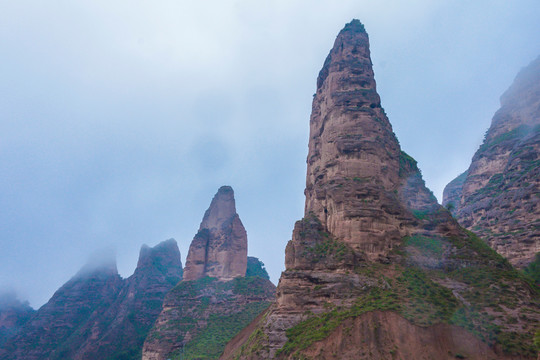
<point>498,197</point>
<point>97,314</point>
<point>219,249</point>
<point>373,238</point>
<point>219,294</point>
<point>353,157</point>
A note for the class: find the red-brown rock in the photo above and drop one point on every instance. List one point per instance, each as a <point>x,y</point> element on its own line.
<point>219,249</point>
<point>373,237</point>
<point>498,197</point>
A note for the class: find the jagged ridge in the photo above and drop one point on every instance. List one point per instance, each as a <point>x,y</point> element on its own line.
<point>97,314</point>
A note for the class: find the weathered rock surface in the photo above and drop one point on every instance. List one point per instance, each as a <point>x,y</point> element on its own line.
<point>13,315</point>
<point>219,249</point>
<point>222,290</point>
<point>97,314</point>
<point>498,197</point>
<point>373,238</point>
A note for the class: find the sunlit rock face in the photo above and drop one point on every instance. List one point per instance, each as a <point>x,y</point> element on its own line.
<point>219,249</point>
<point>371,227</point>
<point>498,196</point>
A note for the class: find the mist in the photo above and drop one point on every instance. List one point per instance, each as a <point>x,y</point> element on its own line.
<point>121,120</point>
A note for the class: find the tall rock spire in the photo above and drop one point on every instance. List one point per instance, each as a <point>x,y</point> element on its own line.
<point>219,249</point>
<point>353,159</point>
<point>376,258</point>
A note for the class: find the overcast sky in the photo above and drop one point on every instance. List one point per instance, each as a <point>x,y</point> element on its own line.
<point>119,120</point>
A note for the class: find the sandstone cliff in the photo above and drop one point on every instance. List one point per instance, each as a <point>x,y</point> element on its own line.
<point>499,195</point>
<point>220,294</point>
<point>97,314</point>
<point>219,249</point>
<point>377,268</point>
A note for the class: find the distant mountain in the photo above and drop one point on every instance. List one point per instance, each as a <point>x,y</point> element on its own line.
<point>377,269</point>
<point>222,290</point>
<point>498,197</point>
<point>97,314</point>
<point>13,315</point>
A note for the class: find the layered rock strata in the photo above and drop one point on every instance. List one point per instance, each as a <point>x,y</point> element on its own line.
<point>373,238</point>
<point>219,249</point>
<point>99,315</point>
<point>498,197</point>
<point>222,291</point>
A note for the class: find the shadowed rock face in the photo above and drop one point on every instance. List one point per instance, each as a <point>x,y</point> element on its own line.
<point>13,315</point>
<point>498,195</point>
<point>59,326</point>
<point>97,314</point>
<point>219,249</point>
<point>373,237</point>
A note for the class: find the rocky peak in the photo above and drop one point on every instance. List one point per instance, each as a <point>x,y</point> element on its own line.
<point>165,257</point>
<point>374,243</point>
<point>222,209</point>
<point>219,249</point>
<point>354,156</point>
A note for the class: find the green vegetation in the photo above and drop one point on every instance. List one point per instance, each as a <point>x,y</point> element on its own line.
<point>328,248</point>
<point>406,164</point>
<point>213,312</point>
<point>210,341</point>
<point>488,282</point>
<point>253,285</point>
<point>319,327</point>
<point>533,270</point>
<point>432,246</point>
<point>255,267</point>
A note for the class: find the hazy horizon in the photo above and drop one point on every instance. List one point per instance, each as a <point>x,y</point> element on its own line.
<point>121,120</point>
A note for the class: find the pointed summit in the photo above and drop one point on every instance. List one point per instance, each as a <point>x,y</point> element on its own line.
<point>377,269</point>
<point>219,249</point>
<point>353,159</point>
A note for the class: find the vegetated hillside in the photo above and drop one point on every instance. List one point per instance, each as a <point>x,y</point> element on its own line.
<point>99,315</point>
<point>498,197</point>
<point>377,269</point>
<point>222,291</point>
